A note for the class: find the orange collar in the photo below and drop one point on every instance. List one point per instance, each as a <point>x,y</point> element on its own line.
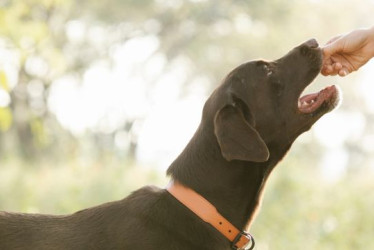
<point>207,212</point>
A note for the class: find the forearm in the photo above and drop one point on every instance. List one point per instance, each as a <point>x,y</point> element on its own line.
<point>371,41</point>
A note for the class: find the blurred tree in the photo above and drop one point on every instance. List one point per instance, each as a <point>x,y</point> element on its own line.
<point>56,38</point>
<point>211,36</point>
<point>34,30</point>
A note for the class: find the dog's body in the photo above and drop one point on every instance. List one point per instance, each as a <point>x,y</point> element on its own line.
<point>248,125</point>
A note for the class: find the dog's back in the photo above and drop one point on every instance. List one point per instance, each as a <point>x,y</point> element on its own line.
<point>132,224</point>
<point>30,231</point>
<point>94,228</point>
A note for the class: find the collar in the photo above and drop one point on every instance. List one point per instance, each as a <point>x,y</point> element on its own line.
<point>240,240</point>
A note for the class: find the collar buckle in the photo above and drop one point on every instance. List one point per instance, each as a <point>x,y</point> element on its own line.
<point>243,241</point>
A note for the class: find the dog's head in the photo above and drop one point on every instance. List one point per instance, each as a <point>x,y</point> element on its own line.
<point>258,106</point>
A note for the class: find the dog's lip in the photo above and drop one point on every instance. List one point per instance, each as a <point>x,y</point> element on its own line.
<point>330,96</point>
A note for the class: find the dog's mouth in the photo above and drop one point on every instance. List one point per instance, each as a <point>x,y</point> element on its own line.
<point>324,100</point>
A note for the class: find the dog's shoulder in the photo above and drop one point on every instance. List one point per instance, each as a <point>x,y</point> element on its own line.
<point>136,203</point>
<point>146,192</point>
<point>144,197</point>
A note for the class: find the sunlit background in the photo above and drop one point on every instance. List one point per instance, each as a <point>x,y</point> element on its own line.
<point>98,97</point>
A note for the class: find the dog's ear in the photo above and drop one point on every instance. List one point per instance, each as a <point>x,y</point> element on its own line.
<point>237,139</point>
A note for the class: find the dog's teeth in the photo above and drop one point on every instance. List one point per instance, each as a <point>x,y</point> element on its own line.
<point>303,104</point>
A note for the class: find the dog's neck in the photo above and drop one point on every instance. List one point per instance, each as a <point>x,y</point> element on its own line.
<point>234,187</point>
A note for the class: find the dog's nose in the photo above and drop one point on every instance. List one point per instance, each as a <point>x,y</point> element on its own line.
<point>312,43</point>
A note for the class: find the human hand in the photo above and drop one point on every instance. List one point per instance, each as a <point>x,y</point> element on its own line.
<point>347,53</point>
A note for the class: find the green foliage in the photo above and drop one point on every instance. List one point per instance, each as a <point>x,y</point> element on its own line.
<point>4,81</point>
<point>5,119</point>
<point>50,187</point>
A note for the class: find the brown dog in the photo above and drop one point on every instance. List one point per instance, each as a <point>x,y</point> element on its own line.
<point>248,125</point>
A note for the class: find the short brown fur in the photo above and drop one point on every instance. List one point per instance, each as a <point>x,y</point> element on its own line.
<point>248,125</point>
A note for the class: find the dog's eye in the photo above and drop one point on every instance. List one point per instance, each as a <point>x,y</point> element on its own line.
<point>268,70</point>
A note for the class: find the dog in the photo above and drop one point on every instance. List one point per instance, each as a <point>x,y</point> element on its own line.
<point>248,125</point>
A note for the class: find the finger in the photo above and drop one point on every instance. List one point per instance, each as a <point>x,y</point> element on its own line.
<point>326,52</point>
<point>326,60</point>
<point>324,72</point>
<point>333,39</point>
<point>343,72</point>
<point>337,66</point>
<point>329,71</point>
<point>331,48</point>
<point>329,68</point>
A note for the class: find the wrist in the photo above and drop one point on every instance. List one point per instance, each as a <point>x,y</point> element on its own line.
<point>371,40</point>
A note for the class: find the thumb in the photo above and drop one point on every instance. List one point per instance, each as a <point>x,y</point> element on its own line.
<point>333,46</point>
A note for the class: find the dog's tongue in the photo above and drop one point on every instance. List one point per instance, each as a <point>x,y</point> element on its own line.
<point>310,103</point>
